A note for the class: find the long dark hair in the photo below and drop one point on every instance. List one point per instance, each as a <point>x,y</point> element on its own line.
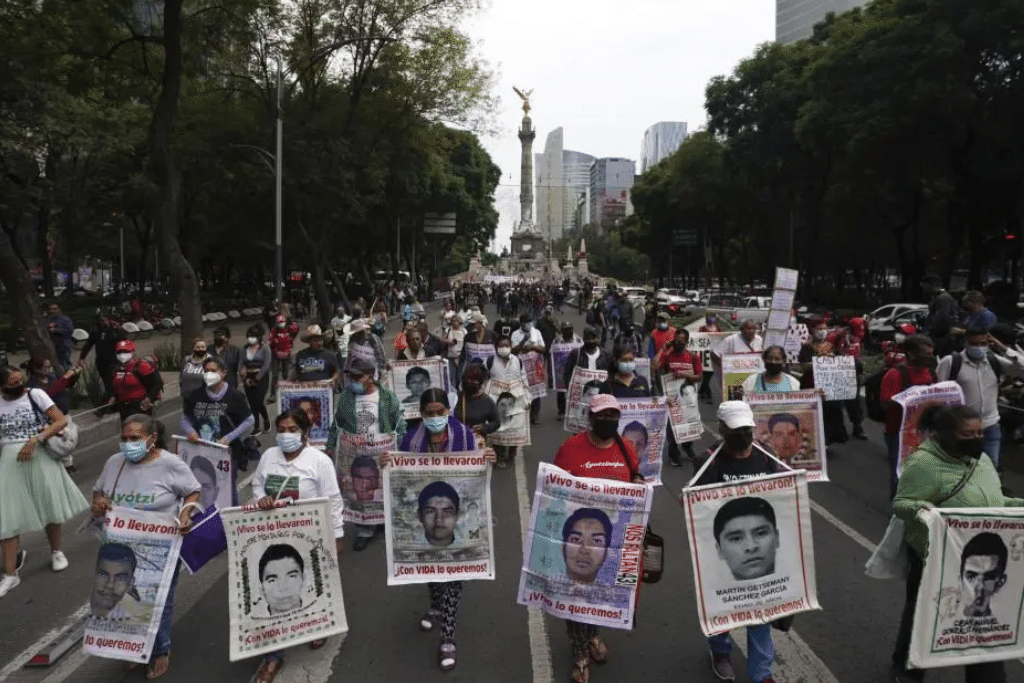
<point>434,395</point>
<point>945,420</point>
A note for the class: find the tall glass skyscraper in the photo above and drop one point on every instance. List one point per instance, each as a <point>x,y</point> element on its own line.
<point>561,176</point>
<point>795,19</point>
<point>661,140</point>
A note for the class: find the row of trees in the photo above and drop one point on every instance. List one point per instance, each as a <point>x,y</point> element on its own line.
<point>159,116</point>
<point>892,138</point>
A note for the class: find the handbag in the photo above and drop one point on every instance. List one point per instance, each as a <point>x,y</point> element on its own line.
<point>653,545</point>
<point>64,442</point>
<point>205,541</point>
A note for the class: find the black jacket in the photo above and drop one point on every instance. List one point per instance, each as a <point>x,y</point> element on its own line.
<point>604,362</point>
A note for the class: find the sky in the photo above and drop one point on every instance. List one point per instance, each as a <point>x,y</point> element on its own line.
<point>605,71</point>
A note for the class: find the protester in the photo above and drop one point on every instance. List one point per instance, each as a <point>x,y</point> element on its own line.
<point>254,371</point>
<point>294,469</point>
<point>453,335</point>
<point>949,470</point>
<point>849,342</point>
<point>548,326</point>
<point>918,369</point>
<point>190,377</point>
<point>506,324</point>
<point>599,453</point>
<point>747,340</point>
<point>528,339</point>
<point>624,382</point>
<point>943,315</point>
<point>568,337</point>
<point>475,409</point>
<point>315,363</point>
<point>135,381</point>
<point>976,316</point>
<point>60,328</point>
<point>661,336</point>
<point>506,367</point>
<point>282,338</point>
<point>677,359</point>
<point>42,376</point>
<point>739,458</point>
<point>227,352</point>
<point>217,412</point>
<point>710,325</point>
<point>831,411</point>
<point>773,379</point>
<point>35,490</point>
<point>414,349</point>
<point>104,338</point>
<point>366,344</point>
<point>365,407</point>
<point>144,476</point>
<point>590,356</point>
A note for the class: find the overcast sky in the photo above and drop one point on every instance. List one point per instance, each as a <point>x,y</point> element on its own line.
<point>605,70</point>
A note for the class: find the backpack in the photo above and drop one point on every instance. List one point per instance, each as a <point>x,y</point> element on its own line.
<point>958,362</point>
<point>154,382</point>
<point>873,391</point>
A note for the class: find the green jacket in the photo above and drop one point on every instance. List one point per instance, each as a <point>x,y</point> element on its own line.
<point>930,474</point>
<point>389,416</point>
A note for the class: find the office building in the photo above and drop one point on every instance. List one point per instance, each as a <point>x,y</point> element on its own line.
<point>561,175</point>
<point>611,180</point>
<point>661,140</point>
<point>795,19</point>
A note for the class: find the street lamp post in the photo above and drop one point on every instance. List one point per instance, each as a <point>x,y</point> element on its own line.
<point>278,274</point>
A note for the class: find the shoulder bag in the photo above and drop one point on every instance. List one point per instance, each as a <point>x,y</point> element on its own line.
<point>63,443</point>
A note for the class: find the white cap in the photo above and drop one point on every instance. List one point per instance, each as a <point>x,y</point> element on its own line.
<point>735,414</point>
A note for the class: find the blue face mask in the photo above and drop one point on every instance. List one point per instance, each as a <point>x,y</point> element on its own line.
<point>626,368</point>
<point>436,425</point>
<point>977,353</point>
<point>289,442</point>
<point>356,388</point>
<point>134,451</point>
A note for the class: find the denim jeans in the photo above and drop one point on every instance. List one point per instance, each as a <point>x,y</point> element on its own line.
<point>162,643</point>
<point>993,437</point>
<point>760,650</point>
<point>892,445</point>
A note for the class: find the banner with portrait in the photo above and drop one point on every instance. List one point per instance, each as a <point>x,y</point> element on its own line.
<point>283,570</point>
<point>583,387</point>
<point>791,425</point>
<point>357,463</point>
<point>836,376</point>
<point>513,403</point>
<point>134,568</point>
<point>736,368</point>
<point>706,343</point>
<point>560,352</point>
<point>913,401</point>
<point>752,550</point>
<point>583,548</point>
<point>438,518</point>
<point>683,411</point>
<point>316,399</point>
<point>410,378</point>
<point>643,369</point>
<point>211,465</point>
<point>479,353</point>
<point>970,606</point>
<point>643,422</point>
<point>533,366</point>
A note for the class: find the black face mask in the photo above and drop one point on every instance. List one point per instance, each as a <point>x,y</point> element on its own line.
<point>739,441</point>
<point>604,429</point>
<point>972,448</point>
<point>773,368</point>
<point>679,346</point>
<point>590,344</point>
<point>13,392</point>
<point>471,387</point>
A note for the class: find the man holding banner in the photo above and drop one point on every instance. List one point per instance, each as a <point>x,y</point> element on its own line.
<point>676,360</point>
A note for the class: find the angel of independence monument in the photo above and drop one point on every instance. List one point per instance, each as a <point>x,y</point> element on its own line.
<point>527,242</point>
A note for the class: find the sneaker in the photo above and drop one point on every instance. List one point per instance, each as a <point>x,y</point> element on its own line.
<point>58,561</point>
<point>721,666</point>
<point>8,584</point>
<point>19,560</point>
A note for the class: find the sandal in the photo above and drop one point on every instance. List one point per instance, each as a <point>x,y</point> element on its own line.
<point>429,620</point>
<point>154,670</point>
<point>598,650</point>
<point>581,671</point>
<point>269,668</point>
<point>446,656</point>
<point>317,644</point>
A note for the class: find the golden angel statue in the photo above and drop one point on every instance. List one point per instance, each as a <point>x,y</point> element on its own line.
<point>525,95</point>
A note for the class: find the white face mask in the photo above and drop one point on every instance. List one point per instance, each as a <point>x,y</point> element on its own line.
<point>252,341</point>
<point>504,351</point>
<point>820,335</point>
<point>212,379</point>
<point>123,357</point>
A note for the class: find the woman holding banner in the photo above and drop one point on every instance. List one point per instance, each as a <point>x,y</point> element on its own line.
<point>474,408</point>
<point>506,367</point>
<point>831,411</point>
<point>625,383</point>
<point>143,476</point>
<point>601,454</point>
<point>677,360</point>
<point>949,470</point>
<point>773,379</point>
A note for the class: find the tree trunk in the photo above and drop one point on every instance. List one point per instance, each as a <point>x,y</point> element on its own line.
<point>323,297</point>
<point>21,294</point>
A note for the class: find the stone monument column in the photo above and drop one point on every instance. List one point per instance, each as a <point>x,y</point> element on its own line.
<point>526,137</point>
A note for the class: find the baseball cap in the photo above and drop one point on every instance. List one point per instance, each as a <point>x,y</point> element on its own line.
<point>735,414</point>
<point>126,345</point>
<point>605,402</point>
<point>313,331</point>
<point>662,315</point>
<point>360,367</point>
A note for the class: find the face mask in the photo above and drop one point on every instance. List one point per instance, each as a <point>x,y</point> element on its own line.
<point>218,340</point>
<point>212,379</point>
<point>252,340</point>
<point>604,429</point>
<point>773,368</point>
<point>134,451</point>
<point>820,335</point>
<point>356,387</point>
<point>123,357</point>
<point>471,387</point>
<point>972,448</point>
<point>590,344</point>
<point>199,353</point>
<point>289,442</point>
<point>436,425</point>
<point>280,326</point>
<point>739,441</point>
<point>679,346</point>
<point>663,326</point>
<point>977,353</point>
<point>504,351</point>
<point>13,392</point>
<point>626,368</point>
<point>527,327</point>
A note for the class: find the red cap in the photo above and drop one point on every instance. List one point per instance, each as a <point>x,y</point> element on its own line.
<point>125,345</point>
<point>604,402</point>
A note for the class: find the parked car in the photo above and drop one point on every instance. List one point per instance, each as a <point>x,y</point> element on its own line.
<point>880,319</point>
<point>914,317</point>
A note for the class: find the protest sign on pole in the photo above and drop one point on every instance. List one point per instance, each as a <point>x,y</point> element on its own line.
<point>791,425</point>
<point>560,352</point>
<point>643,423</point>
<point>582,554</point>
<point>796,336</point>
<point>837,376</point>
<point>410,378</point>
<point>643,368</point>
<point>284,574</point>
<point>683,411</point>
<point>479,353</point>
<point>913,401</point>
<point>211,465</point>
<point>584,386</point>
<point>316,399</point>
<point>786,278</point>
<point>736,368</point>
<point>706,343</point>
<point>513,403</point>
<point>134,568</point>
<point>752,550</point>
<point>357,462</point>
<point>438,518</point>
<point>970,606</point>
<point>533,365</point>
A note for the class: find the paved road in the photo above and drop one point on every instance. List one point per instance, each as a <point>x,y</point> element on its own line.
<point>848,641</point>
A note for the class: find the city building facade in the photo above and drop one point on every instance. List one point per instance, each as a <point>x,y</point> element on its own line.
<point>611,180</point>
<point>795,19</point>
<point>661,140</point>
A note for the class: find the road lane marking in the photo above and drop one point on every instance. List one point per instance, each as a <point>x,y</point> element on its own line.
<point>795,661</point>
<point>28,653</point>
<point>540,646</point>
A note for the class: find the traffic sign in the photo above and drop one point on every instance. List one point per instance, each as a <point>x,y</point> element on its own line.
<point>439,223</point>
<point>684,237</point>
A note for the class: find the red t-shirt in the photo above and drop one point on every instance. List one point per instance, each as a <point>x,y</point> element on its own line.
<point>892,384</point>
<point>127,388</point>
<point>580,458</point>
<point>687,361</point>
<point>662,337</point>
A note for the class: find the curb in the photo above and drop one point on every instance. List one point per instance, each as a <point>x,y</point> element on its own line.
<point>110,425</point>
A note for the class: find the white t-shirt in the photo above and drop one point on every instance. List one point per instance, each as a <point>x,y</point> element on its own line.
<point>367,412</point>
<point>535,337</point>
<point>19,421</point>
<point>736,344</point>
<point>508,372</point>
<point>592,359</point>
<point>459,335</point>
<point>310,475</point>
<point>156,486</point>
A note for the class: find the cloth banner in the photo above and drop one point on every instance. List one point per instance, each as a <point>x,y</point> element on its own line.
<point>583,386</point>
<point>752,550</point>
<point>737,367</point>
<point>643,423</point>
<point>969,605</point>
<point>533,364</point>
<point>134,569</point>
<point>792,427</point>
<point>410,378</point>
<point>357,462</point>
<point>684,414</point>
<point>583,549</point>
<point>438,518</point>
<point>560,352</point>
<point>316,399</point>
<point>479,352</point>
<point>913,401</point>
<point>513,402</point>
<point>837,376</point>
<point>284,577</point>
<point>706,343</point>
<point>211,465</point>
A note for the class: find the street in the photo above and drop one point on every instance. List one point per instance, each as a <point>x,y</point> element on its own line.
<point>848,641</point>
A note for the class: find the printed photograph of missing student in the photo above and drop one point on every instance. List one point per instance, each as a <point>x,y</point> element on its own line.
<point>790,436</point>
<point>439,520</point>
<point>417,380</point>
<point>113,580</point>
<point>586,535</point>
<point>982,573</point>
<point>636,433</point>
<point>366,480</point>
<point>282,575</point>
<point>206,475</point>
<point>579,411</point>
<point>747,537</point>
<point>315,402</point>
<point>438,512</point>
